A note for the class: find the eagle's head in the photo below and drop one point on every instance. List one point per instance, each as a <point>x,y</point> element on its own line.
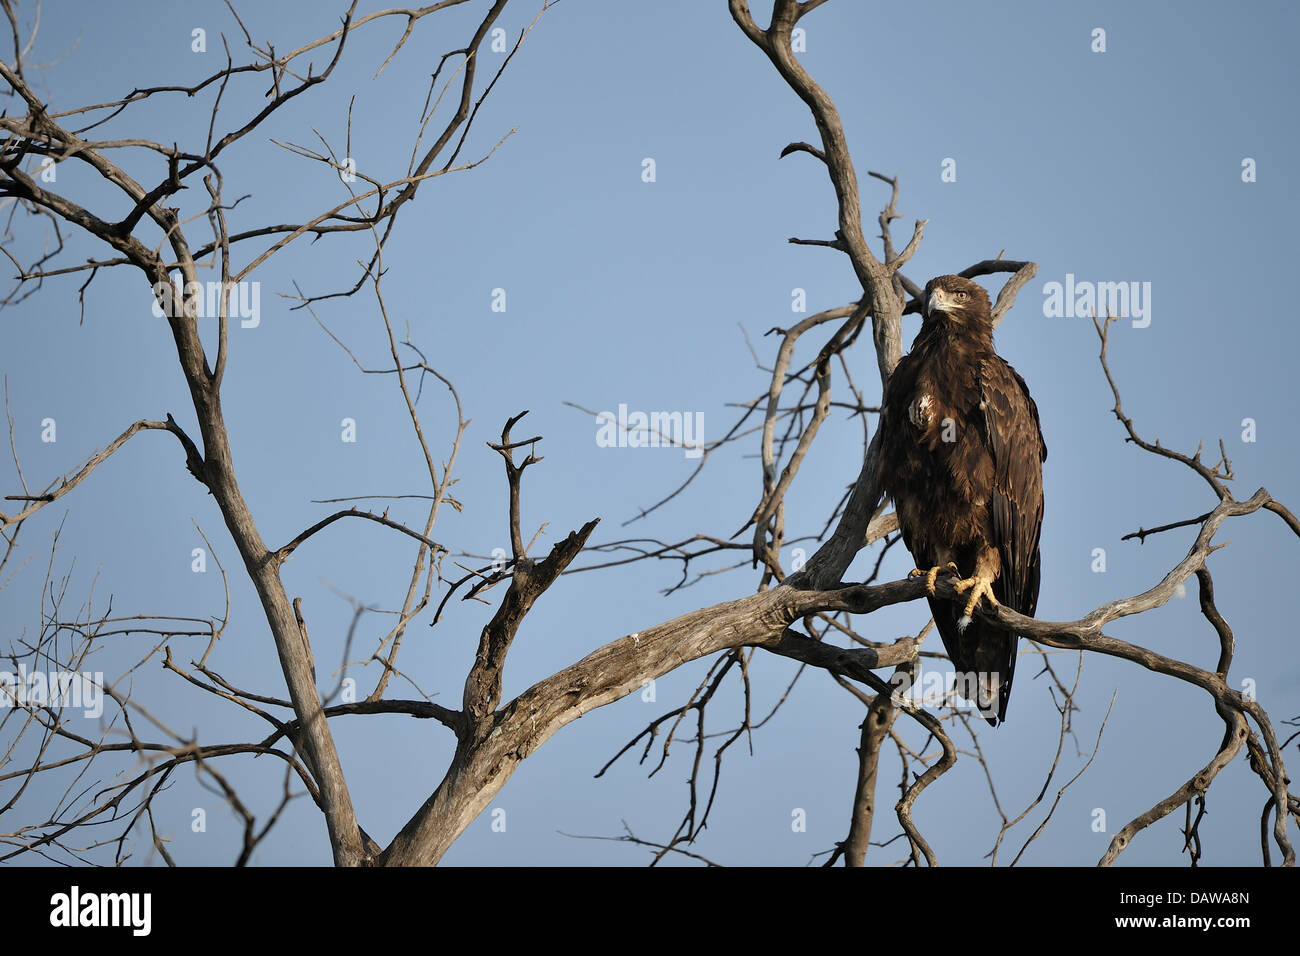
<point>958,300</point>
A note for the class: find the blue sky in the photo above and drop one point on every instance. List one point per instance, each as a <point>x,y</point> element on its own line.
<point>1117,166</point>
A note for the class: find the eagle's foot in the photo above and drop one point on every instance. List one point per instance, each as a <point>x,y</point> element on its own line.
<point>978,587</point>
<point>932,575</point>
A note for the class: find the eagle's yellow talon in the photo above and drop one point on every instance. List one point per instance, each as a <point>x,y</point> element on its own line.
<point>978,587</point>
<point>932,575</point>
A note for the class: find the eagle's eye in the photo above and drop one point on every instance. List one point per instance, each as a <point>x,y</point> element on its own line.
<point>962,294</point>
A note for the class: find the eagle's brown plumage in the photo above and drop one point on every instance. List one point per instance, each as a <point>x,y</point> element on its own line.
<point>962,455</point>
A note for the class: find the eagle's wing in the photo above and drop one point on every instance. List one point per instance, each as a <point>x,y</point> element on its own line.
<point>1015,441</point>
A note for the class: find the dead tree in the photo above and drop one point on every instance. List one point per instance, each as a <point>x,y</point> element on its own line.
<point>154,230</point>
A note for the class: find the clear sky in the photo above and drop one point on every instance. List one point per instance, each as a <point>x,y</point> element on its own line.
<point>1116,166</point>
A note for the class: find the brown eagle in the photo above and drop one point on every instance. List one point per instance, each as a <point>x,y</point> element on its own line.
<point>962,456</point>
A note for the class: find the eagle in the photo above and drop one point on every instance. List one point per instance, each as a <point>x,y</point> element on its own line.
<point>962,457</point>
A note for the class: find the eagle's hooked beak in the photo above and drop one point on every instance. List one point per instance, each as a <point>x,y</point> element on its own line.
<point>936,302</point>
